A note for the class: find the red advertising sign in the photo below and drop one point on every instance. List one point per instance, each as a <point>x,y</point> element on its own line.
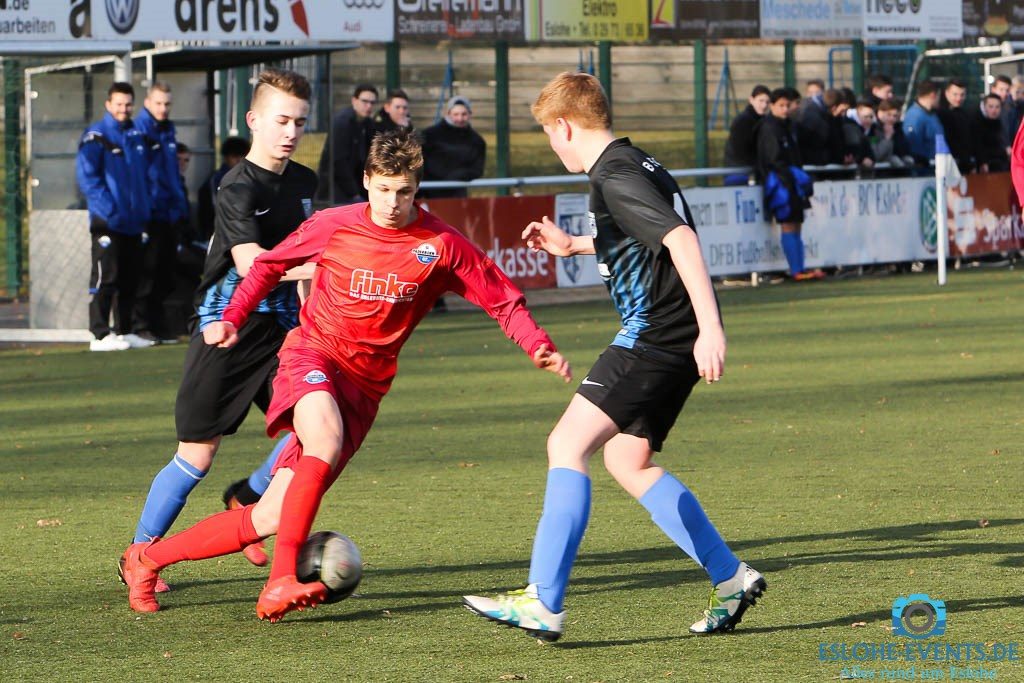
<point>984,217</point>
<point>495,224</point>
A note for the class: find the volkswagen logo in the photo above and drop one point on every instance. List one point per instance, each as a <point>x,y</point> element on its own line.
<point>364,4</point>
<point>122,14</point>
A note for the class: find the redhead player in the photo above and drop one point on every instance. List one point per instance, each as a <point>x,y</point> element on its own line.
<point>379,269</point>
<point>648,254</point>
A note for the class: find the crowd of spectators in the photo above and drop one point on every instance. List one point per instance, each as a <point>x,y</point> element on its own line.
<point>836,131</point>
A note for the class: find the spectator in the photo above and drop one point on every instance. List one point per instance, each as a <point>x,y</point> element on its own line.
<point>888,142</point>
<point>452,150</point>
<point>787,188</point>
<point>394,114</point>
<point>111,169</point>
<point>740,148</point>
<point>814,128</point>
<point>1002,87</point>
<point>879,89</point>
<point>793,95</point>
<point>956,123</point>
<point>922,124</point>
<point>344,154</point>
<point>169,210</point>
<point>856,129</point>
<point>232,151</point>
<point>988,146</point>
<point>814,89</point>
<point>1013,112</point>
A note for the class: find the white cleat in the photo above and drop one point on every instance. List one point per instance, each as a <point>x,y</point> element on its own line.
<point>134,341</point>
<point>111,342</point>
<point>521,609</point>
<point>730,599</point>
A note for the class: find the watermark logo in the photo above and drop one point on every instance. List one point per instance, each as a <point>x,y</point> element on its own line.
<point>918,616</point>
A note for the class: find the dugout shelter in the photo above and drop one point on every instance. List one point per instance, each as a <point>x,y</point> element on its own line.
<point>211,87</point>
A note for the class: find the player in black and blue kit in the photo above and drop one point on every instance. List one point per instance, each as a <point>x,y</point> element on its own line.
<point>671,336</point>
<point>261,201</point>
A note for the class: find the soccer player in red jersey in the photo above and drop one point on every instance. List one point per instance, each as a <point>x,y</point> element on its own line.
<point>1017,165</point>
<point>379,269</point>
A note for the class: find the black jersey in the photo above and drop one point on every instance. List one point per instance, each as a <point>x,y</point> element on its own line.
<point>260,206</point>
<point>634,203</point>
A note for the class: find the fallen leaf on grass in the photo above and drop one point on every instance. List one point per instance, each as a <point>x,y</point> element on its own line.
<point>18,635</point>
<point>48,522</point>
<point>512,677</point>
<point>859,624</point>
<point>468,464</point>
<point>168,655</point>
<point>983,523</point>
<point>965,354</point>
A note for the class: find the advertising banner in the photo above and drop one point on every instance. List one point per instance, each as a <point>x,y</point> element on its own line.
<point>586,20</point>
<point>854,222</point>
<point>182,20</point>
<point>707,19</point>
<point>495,224</point>
<point>984,217</point>
<point>811,19</point>
<point>906,20</point>
<point>465,20</point>
<point>999,19</point>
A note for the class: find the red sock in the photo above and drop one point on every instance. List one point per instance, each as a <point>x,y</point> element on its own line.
<point>311,480</point>
<point>220,534</point>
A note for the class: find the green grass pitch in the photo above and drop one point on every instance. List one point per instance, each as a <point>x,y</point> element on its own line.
<point>865,444</point>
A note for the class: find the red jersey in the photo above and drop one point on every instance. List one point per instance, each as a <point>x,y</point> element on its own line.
<point>1017,165</point>
<point>373,285</point>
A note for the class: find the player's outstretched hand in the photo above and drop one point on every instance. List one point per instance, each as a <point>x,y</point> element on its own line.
<point>545,235</point>
<point>709,352</point>
<point>552,361</point>
<point>221,334</point>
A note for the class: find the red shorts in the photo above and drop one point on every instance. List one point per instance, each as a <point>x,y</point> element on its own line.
<point>302,371</point>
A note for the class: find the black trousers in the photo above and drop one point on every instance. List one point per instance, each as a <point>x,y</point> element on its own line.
<point>156,280</point>
<point>114,280</point>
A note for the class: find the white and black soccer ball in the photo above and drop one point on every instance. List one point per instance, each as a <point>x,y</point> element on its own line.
<point>334,559</point>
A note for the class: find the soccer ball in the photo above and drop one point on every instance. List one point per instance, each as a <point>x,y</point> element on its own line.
<point>334,559</point>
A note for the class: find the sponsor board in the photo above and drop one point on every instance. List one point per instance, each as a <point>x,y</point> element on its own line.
<point>182,20</point>
<point>811,19</point>
<point>586,20</point>
<point>707,19</point>
<point>984,217</point>
<point>913,20</point>
<point>482,20</point>
<point>495,225</point>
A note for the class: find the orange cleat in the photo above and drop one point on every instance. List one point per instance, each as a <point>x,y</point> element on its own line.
<point>161,585</point>
<point>141,578</point>
<point>281,596</point>
<point>253,552</point>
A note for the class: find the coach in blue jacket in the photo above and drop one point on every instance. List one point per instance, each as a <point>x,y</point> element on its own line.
<point>169,210</point>
<point>111,169</point>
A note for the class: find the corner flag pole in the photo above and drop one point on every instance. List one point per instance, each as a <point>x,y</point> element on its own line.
<point>945,172</point>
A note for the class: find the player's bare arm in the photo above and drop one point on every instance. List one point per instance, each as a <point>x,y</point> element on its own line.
<point>244,254</point>
<point>709,349</point>
<point>544,235</point>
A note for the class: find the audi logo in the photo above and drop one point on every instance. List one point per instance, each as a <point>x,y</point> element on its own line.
<point>364,4</point>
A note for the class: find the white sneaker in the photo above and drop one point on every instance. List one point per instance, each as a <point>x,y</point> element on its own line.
<point>522,609</point>
<point>111,342</point>
<point>134,341</point>
<point>730,599</point>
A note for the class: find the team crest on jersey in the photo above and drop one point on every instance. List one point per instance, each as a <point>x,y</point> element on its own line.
<point>425,253</point>
<point>307,206</point>
<point>314,377</point>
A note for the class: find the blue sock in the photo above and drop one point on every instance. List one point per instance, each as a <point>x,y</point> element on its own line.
<point>677,512</point>
<point>793,248</point>
<point>259,480</point>
<point>559,532</point>
<point>166,498</point>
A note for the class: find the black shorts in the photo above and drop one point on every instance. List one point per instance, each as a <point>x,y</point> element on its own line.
<point>219,385</point>
<point>642,390</point>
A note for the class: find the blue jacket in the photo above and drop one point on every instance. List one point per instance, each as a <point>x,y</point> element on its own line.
<point>111,169</point>
<point>169,202</point>
<point>920,128</point>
